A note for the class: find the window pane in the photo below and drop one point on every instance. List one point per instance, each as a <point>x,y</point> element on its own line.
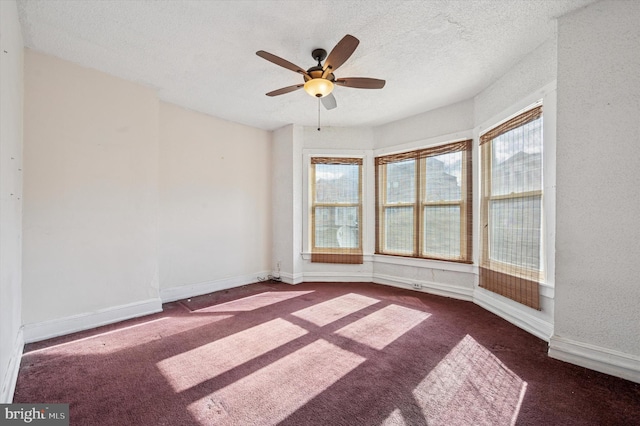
<point>441,231</point>
<point>514,234</point>
<point>337,227</point>
<point>398,226</point>
<point>421,197</point>
<point>337,183</point>
<point>443,177</point>
<point>517,160</point>
<point>401,182</point>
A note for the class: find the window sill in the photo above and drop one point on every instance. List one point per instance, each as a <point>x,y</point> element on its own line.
<point>426,263</point>
<point>546,289</point>
<point>414,262</point>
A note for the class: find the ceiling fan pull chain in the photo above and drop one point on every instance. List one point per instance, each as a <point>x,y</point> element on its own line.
<point>318,114</point>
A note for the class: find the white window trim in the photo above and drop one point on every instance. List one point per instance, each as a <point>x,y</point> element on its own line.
<point>425,143</point>
<point>547,97</point>
<point>447,265</point>
<point>368,210</point>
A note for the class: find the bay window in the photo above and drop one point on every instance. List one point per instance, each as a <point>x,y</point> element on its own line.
<point>424,203</point>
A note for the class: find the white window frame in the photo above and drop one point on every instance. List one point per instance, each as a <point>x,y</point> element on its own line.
<point>368,204</point>
<point>547,95</point>
<point>421,203</point>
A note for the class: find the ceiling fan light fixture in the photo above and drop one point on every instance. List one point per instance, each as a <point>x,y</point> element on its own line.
<point>318,87</point>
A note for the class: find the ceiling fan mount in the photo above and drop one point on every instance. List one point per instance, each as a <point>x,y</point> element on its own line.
<point>319,55</point>
<point>319,80</point>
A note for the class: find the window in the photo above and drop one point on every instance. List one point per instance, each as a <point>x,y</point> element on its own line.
<point>336,210</point>
<point>512,255</point>
<point>424,203</point>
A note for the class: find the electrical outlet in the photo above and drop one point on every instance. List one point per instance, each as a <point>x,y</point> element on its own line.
<point>417,286</point>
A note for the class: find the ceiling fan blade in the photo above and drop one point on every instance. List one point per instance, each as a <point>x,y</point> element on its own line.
<point>279,61</point>
<point>285,90</point>
<point>329,101</point>
<point>341,52</point>
<point>361,82</point>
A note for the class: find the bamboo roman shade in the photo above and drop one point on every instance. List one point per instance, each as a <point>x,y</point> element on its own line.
<point>424,203</point>
<point>512,258</point>
<point>336,210</point>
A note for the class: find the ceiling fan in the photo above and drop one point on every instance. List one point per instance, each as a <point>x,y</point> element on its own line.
<point>319,80</point>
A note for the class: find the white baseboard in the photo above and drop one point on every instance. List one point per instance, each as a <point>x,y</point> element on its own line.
<point>519,317</point>
<point>191,290</point>
<point>8,385</point>
<point>288,278</point>
<point>454,292</point>
<point>596,358</point>
<point>35,332</point>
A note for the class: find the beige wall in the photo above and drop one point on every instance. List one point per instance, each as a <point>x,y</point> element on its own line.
<point>130,202</point>
<point>447,120</point>
<point>286,163</point>
<point>90,207</point>
<point>215,203</point>
<point>11,66</point>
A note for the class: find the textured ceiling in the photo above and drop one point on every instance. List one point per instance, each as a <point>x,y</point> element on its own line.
<point>201,54</point>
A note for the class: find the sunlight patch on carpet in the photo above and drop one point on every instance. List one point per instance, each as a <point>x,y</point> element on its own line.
<point>470,386</point>
<point>271,394</point>
<point>395,419</point>
<point>332,310</point>
<point>96,343</point>
<point>193,367</point>
<point>381,328</point>
<point>126,337</point>
<point>254,302</point>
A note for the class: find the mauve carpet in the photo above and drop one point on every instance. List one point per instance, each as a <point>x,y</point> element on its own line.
<point>318,354</point>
